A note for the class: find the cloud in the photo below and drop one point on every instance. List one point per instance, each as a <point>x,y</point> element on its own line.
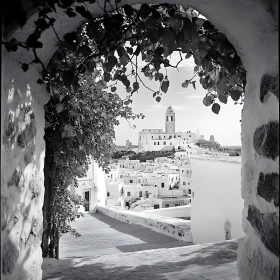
<point>155,107</point>
<point>179,108</point>
<point>194,96</point>
<point>158,106</point>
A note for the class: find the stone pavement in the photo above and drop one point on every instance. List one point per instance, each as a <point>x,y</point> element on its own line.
<point>111,249</point>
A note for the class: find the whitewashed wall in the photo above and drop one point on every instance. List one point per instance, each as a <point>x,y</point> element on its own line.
<point>217,197</point>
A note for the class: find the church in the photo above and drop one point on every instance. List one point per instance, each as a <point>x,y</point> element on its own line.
<point>157,139</point>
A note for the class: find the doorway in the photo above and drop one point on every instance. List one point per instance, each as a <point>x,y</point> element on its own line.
<point>86,197</point>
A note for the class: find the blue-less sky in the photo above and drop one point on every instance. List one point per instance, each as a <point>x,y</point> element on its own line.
<point>191,114</point>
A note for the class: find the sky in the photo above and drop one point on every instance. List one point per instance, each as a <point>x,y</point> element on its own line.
<point>190,112</point>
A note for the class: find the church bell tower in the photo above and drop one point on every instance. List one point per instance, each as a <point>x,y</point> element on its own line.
<point>170,120</point>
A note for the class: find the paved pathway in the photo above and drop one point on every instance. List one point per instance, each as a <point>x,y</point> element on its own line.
<point>110,249</point>
<point>102,235</point>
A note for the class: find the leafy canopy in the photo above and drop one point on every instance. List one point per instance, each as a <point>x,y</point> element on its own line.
<point>123,35</point>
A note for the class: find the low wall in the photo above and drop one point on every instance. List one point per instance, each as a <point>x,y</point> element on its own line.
<point>177,228</point>
<point>173,212</point>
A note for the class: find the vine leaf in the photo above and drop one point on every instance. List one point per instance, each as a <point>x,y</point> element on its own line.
<point>168,38</point>
<point>107,77</point>
<point>85,50</point>
<point>68,77</point>
<point>164,86</point>
<point>144,11</point>
<point>222,98</point>
<point>24,67</point>
<point>193,83</point>
<point>207,100</point>
<point>129,11</point>
<point>216,108</point>
<point>135,86</point>
<point>235,94</point>
<point>185,84</point>
<point>59,108</point>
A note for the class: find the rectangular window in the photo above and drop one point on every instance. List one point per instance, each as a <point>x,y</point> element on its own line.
<point>155,186</point>
<point>140,194</point>
<point>166,205</point>
<point>158,143</point>
<point>108,194</point>
<point>177,204</point>
<point>189,191</point>
<point>184,183</point>
<point>146,193</point>
<point>156,206</point>
<point>155,143</point>
<point>128,194</point>
<point>192,194</point>
<point>130,181</point>
<point>164,142</point>
<point>162,185</point>
<point>121,176</point>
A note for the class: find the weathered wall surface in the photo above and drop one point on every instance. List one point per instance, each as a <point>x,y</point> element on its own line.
<point>177,228</point>
<point>251,26</point>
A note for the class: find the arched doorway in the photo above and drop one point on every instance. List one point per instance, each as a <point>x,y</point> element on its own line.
<point>23,146</point>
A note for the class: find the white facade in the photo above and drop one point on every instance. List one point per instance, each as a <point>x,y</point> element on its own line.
<point>157,139</point>
<point>91,188</point>
<point>216,198</point>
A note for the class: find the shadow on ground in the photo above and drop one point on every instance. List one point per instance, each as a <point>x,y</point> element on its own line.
<point>152,239</point>
<point>208,258</point>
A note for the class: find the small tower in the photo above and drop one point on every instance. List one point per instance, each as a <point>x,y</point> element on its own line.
<point>170,120</point>
<point>212,139</point>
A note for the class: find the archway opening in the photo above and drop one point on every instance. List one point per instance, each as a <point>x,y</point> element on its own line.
<point>258,149</point>
<point>85,71</point>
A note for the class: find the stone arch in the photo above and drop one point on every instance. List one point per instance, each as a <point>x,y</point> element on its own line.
<point>251,26</point>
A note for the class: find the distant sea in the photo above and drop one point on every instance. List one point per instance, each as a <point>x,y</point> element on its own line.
<point>232,147</point>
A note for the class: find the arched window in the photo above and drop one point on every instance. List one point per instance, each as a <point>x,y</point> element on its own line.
<point>171,118</point>
<point>167,118</point>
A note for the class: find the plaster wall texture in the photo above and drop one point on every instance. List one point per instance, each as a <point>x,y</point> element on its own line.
<point>216,197</point>
<point>251,26</point>
<point>177,228</point>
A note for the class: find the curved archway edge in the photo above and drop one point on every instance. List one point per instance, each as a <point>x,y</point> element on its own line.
<point>251,26</point>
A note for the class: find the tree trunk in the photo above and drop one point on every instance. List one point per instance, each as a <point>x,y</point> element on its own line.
<point>47,211</point>
<point>57,245</point>
<point>46,206</point>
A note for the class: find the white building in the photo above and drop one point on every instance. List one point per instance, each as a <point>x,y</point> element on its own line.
<point>157,139</point>
<point>91,188</point>
<point>217,204</point>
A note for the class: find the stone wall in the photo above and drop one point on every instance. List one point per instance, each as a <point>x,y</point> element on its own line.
<point>177,228</point>
<point>252,27</point>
